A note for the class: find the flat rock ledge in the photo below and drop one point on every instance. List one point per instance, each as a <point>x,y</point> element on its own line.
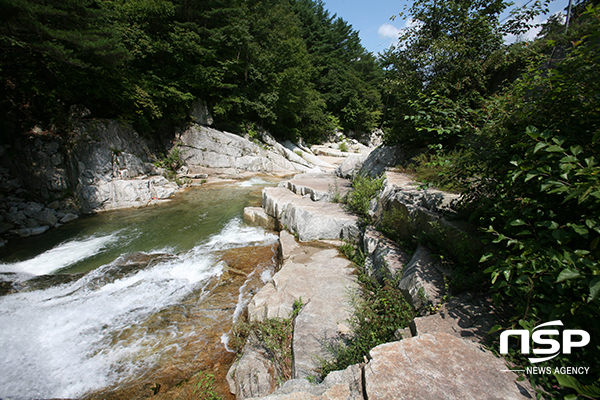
<point>310,220</point>
<point>319,186</point>
<point>439,366</point>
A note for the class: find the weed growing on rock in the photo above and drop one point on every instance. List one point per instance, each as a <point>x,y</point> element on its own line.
<point>379,311</point>
<point>274,335</point>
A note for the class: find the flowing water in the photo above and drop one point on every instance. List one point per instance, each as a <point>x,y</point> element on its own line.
<point>130,303</point>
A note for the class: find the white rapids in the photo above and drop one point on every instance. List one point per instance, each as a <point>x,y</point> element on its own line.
<point>64,341</point>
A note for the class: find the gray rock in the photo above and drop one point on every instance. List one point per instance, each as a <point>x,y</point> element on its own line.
<point>350,167</point>
<point>383,255</point>
<point>55,205</point>
<point>46,217</point>
<point>6,227</point>
<point>199,113</point>
<point>31,223</point>
<point>31,209</point>
<point>411,211</point>
<point>68,218</point>
<point>15,217</point>
<point>422,284</point>
<point>464,316</point>
<point>308,219</point>
<point>253,373</point>
<point>319,186</point>
<point>439,366</point>
<point>26,232</point>
<point>338,385</point>
<point>212,148</point>
<point>381,158</point>
<point>322,279</point>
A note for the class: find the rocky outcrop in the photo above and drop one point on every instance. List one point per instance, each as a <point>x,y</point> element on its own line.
<point>208,147</point>
<point>380,159</point>
<point>253,374</point>
<point>310,220</point>
<point>439,366</point>
<point>384,257</point>
<point>424,213</point>
<point>422,284</point>
<point>321,279</point>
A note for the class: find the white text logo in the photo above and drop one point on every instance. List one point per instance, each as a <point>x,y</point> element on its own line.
<point>570,338</point>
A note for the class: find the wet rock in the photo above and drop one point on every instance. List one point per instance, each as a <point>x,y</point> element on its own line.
<point>257,216</point>
<point>439,366</point>
<point>68,218</point>
<point>26,232</point>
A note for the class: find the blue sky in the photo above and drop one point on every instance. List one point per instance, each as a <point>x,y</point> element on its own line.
<point>372,19</point>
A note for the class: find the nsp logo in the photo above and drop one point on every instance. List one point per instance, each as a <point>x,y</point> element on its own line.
<point>568,342</point>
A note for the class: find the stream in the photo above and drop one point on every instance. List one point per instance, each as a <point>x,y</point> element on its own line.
<point>130,303</point>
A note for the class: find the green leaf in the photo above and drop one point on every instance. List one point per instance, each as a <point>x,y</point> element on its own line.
<point>539,146</point>
<point>554,149</point>
<point>517,222</point>
<point>594,289</point>
<point>567,274</point>
<point>576,150</point>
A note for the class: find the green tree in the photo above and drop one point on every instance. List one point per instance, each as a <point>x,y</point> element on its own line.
<point>55,54</point>
<point>442,68</point>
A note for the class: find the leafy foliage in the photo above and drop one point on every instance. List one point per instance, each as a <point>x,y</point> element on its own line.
<point>537,192</point>
<point>364,190</point>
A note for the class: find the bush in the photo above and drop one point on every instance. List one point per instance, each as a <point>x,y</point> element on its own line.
<point>365,189</point>
<point>537,194</point>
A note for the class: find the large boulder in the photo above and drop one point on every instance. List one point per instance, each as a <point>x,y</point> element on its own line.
<point>439,366</point>
<point>381,158</point>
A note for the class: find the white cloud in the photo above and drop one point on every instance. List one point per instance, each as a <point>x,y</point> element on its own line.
<point>388,31</point>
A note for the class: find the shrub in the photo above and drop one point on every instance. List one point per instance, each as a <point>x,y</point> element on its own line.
<point>365,189</point>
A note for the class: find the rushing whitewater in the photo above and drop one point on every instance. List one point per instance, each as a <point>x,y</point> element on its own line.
<point>73,338</point>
